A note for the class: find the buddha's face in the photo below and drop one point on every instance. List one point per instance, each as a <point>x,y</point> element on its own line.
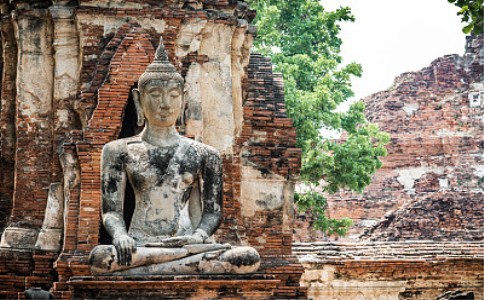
<point>161,102</point>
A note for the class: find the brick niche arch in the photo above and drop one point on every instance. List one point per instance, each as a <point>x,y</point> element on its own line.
<point>134,54</point>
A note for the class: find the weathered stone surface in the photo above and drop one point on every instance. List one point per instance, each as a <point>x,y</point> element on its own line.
<point>50,239</point>
<point>50,236</point>
<point>38,293</point>
<point>53,218</point>
<point>17,237</point>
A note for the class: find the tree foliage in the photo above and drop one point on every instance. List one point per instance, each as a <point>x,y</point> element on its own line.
<point>302,39</point>
<point>472,13</point>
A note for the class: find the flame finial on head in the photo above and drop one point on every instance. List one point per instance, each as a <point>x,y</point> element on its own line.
<point>160,69</point>
<point>160,55</point>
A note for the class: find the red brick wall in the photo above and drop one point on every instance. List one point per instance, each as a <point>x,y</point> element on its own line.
<point>23,269</point>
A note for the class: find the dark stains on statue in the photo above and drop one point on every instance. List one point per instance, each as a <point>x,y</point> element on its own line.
<point>159,158</point>
<point>250,258</point>
<point>212,177</point>
<point>111,185</point>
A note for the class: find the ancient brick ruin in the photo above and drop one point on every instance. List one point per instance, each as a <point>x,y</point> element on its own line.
<point>419,226</point>
<point>434,164</point>
<point>68,68</point>
<point>396,270</point>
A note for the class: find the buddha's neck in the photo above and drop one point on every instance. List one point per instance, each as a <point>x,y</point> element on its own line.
<point>160,136</point>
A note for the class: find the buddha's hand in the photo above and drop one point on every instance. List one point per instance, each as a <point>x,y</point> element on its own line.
<point>125,246</point>
<point>198,237</point>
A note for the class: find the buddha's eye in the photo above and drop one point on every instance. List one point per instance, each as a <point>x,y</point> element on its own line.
<point>174,95</point>
<point>155,93</point>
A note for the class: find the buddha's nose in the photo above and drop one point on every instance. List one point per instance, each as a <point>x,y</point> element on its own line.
<point>164,102</point>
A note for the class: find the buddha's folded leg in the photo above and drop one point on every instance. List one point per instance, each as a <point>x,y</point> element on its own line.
<point>104,260</point>
<point>238,260</point>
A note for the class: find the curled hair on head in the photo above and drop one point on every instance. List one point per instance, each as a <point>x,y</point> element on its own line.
<point>163,76</point>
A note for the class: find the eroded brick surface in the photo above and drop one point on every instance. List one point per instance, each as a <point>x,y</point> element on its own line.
<point>391,270</point>
<point>431,182</point>
<point>23,269</point>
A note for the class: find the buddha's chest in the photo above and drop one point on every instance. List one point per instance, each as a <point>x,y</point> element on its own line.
<point>150,167</point>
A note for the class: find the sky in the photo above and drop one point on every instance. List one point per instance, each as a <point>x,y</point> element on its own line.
<point>390,37</point>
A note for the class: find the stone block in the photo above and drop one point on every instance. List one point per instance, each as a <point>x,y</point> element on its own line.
<point>15,237</point>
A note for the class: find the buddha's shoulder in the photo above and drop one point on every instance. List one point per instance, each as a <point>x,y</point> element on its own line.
<point>120,145</point>
<point>202,148</point>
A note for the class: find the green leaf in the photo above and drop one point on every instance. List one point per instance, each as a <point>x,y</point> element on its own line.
<point>472,13</point>
<point>467,29</point>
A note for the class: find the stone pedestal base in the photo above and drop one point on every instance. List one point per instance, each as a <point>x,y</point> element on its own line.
<point>19,238</point>
<point>253,286</point>
<point>49,239</point>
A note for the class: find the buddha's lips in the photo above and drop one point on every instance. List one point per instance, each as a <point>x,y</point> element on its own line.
<point>165,113</point>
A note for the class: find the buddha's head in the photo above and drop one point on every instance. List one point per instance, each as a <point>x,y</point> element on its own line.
<point>159,96</point>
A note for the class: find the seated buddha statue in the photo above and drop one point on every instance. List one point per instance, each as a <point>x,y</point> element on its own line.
<point>177,184</point>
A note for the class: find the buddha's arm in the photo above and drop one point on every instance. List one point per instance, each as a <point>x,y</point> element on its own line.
<point>212,192</point>
<point>113,183</point>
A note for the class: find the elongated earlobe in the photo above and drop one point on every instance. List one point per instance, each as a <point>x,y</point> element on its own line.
<point>139,111</point>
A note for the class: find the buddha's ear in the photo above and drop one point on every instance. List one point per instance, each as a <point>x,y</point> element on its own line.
<point>139,111</point>
<point>181,117</point>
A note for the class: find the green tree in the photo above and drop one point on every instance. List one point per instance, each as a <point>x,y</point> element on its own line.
<point>472,13</point>
<point>301,38</point>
